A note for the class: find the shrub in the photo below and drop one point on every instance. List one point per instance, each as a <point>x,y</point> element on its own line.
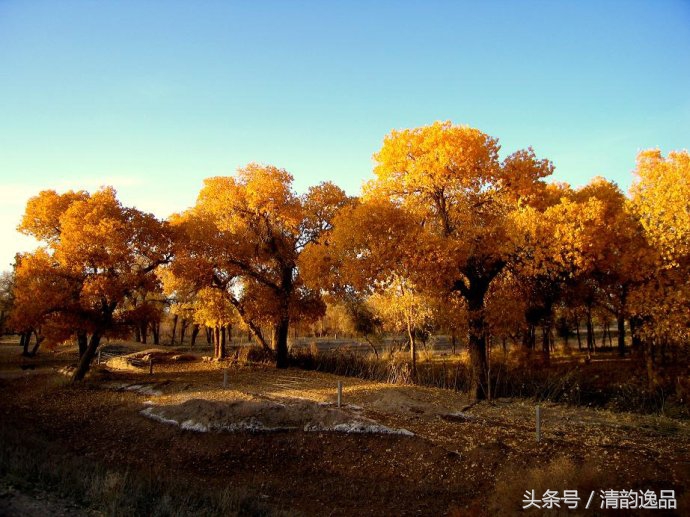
<point>256,354</point>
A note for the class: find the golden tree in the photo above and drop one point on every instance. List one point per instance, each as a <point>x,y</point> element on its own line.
<point>245,236</point>
<point>439,213</point>
<point>660,197</point>
<point>401,307</point>
<point>97,254</point>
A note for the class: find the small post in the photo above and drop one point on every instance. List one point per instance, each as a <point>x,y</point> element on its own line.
<point>225,378</point>
<point>151,366</point>
<point>99,357</point>
<point>340,393</point>
<point>538,424</point>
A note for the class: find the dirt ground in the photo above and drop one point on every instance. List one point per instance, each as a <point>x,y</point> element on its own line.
<point>447,460</point>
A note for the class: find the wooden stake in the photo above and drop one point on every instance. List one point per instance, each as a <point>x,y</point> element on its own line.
<point>340,393</point>
<point>225,378</point>
<point>538,423</point>
<point>99,357</point>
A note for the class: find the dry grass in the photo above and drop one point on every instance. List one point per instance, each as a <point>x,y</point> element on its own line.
<point>560,474</point>
<point>29,463</point>
<point>614,384</point>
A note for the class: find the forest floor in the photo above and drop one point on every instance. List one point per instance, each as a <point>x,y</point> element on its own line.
<point>422,452</point>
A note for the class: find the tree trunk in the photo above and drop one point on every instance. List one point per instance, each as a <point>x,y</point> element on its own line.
<point>635,324</point>
<point>474,292</point>
<point>577,333</point>
<point>220,349</point>
<point>621,334</point>
<point>252,329</point>
<point>216,341</point>
<point>223,337</point>
<point>280,334</point>
<point>183,329</point>
<point>174,330</point>
<point>144,331</point>
<point>650,363</point>
<point>529,339</point>
<point>195,333</point>
<point>608,331</point>
<point>39,340</point>
<point>137,335</point>
<point>591,343</point>
<point>85,361</point>
<point>156,331</point>
<point>546,342</point>
<point>25,340</point>
<point>477,349</point>
<point>413,347</point>
<point>82,342</point>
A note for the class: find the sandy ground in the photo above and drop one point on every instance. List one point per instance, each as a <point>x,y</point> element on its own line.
<point>448,463</point>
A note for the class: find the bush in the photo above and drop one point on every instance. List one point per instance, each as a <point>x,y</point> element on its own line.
<point>256,354</point>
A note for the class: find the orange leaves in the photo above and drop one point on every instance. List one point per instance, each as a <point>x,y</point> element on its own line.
<point>98,254</point>
<point>366,246</point>
<point>420,160</point>
<point>43,212</point>
<point>245,237</point>
<point>257,195</point>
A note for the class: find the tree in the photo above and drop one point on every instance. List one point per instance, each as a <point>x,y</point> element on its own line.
<point>212,310</point>
<point>245,236</point>
<point>444,185</point>
<point>402,307</point>
<point>623,259</point>
<point>6,298</point>
<point>97,253</point>
<point>660,197</point>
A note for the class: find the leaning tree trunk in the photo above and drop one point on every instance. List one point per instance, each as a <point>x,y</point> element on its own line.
<point>85,361</point>
<point>37,345</point>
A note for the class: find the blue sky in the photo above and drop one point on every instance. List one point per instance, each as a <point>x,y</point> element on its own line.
<point>154,96</point>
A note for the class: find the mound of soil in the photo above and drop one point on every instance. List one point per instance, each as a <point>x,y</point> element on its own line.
<point>264,415</point>
<point>139,360</point>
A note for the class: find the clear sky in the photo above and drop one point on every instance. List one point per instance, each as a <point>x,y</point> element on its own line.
<point>153,96</point>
